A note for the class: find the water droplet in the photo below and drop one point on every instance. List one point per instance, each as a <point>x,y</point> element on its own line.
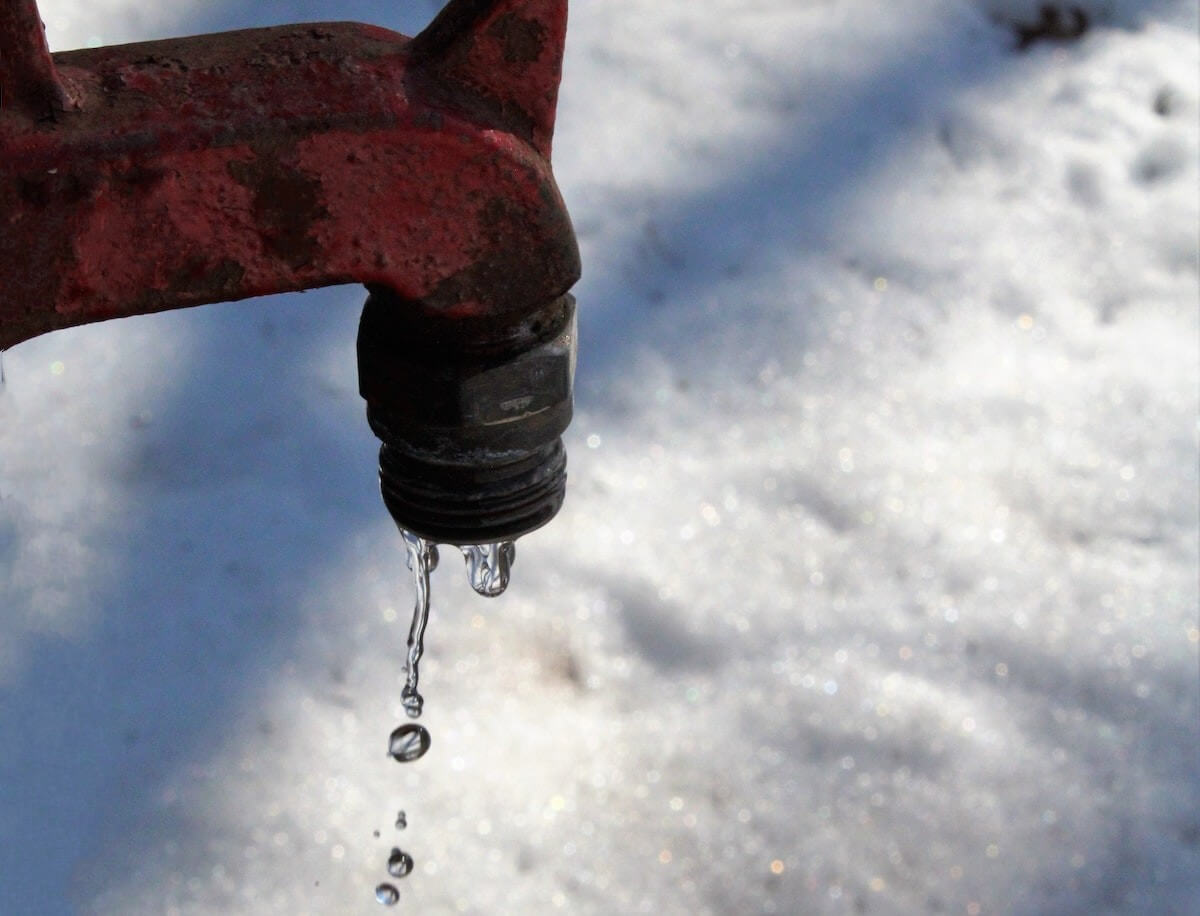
<point>432,557</point>
<point>412,702</point>
<point>387,895</point>
<point>409,743</point>
<point>422,558</point>
<point>401,820</point>
<point>400,863</point>
<point>488,566</point>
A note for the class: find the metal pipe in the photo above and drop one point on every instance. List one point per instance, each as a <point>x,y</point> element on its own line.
<point>219,167</point>
<point>28,78</point>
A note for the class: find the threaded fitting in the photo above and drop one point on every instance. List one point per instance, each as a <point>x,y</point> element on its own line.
<point>470,418</point>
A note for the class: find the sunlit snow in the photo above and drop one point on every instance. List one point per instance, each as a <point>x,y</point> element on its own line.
<point>875,590</point>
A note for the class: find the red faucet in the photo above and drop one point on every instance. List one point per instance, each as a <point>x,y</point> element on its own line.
<point>152,176</point>
<point>145,177</point>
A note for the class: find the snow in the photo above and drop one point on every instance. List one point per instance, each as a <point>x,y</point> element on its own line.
<point>876,586</point>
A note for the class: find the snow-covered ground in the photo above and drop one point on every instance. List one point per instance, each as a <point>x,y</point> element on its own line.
<point>876,586</point>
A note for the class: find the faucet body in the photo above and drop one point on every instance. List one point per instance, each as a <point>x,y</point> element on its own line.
<point>146,177</point>
<point>153,176</point>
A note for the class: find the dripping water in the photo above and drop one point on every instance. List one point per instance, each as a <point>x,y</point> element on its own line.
<point>488,566</point>
<point>399,863</point>
<point>488,570</point>
<point>422,560</point>
<point>387,895</point>
<point>409,742</point>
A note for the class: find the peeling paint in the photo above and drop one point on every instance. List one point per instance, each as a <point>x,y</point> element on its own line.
<point>227,166</point>
<point>521,39</point>
<point>286,204</point>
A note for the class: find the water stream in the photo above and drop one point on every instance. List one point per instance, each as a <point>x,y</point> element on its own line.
<point>422,560</point>
<point>488,569</point>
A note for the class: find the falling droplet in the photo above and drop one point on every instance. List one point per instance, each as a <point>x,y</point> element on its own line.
<point>422,560</point>
<point>387,895</point>
<point>409,743</point>
<point>412,701</point>
<point>488,566</point>
<point>399,864</point>
<point>401,820</point>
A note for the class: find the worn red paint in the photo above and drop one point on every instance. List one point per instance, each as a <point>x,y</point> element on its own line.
<point>27,77</point>
<point>153,176</point>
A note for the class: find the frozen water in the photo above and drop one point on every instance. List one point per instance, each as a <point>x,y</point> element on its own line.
<point>883,471</point>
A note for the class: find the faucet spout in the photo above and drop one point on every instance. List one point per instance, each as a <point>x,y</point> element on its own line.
<point>470,425</point>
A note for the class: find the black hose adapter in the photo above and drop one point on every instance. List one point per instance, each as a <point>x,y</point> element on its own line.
<point>470,413</point>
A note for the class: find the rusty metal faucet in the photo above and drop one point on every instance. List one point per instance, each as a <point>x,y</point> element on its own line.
<point>145,177</point>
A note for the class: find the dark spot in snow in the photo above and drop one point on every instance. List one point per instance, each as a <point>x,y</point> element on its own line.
<point>659,631</point>
<point>1083,183</point>
<point>1166,100</point>
<point>526,858</point>
<point>1055,24</point>
<point>1159,161</point>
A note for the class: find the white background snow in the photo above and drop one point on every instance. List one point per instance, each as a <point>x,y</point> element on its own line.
<point>876,586</point>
